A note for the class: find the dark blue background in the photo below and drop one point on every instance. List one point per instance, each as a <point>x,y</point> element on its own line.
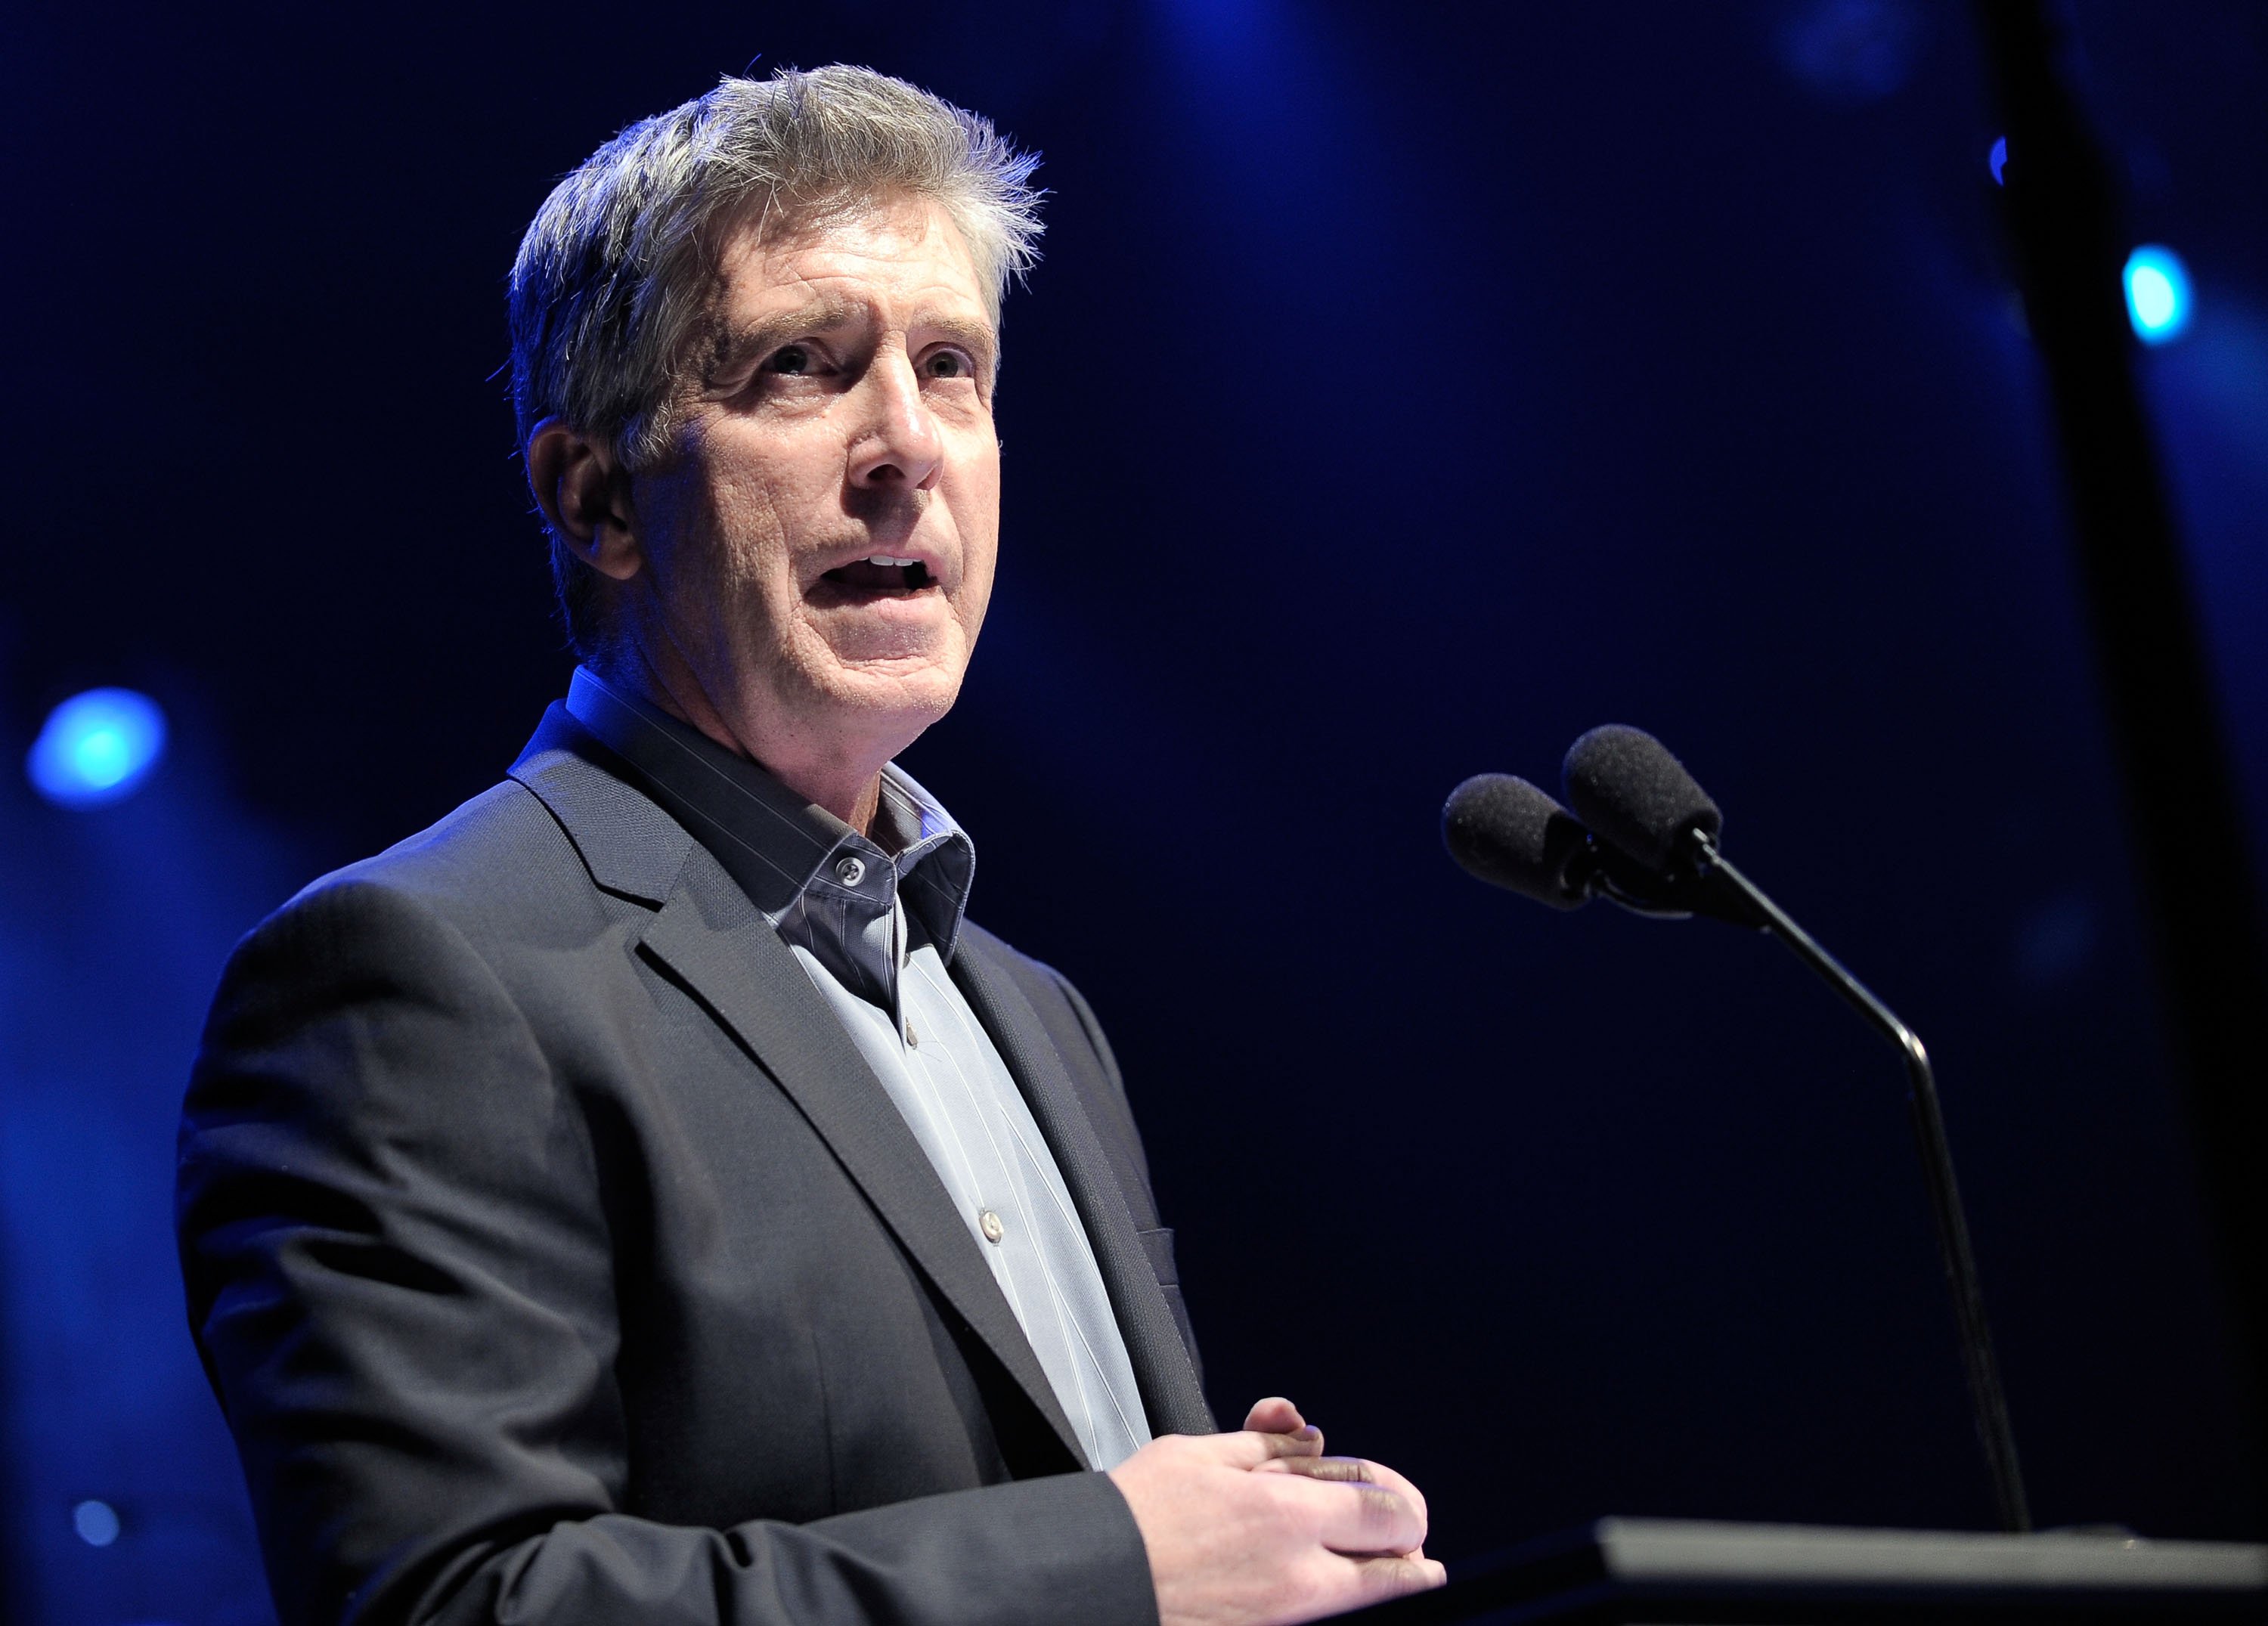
<point>1403,392</point>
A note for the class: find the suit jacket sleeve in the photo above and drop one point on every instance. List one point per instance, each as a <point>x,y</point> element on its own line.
<point>401,1281</point>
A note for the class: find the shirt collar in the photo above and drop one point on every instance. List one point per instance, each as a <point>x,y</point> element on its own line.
<point>782,850</point>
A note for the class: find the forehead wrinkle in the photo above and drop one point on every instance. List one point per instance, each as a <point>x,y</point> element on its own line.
<point>747,244</point>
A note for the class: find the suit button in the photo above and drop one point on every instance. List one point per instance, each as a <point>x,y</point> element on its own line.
<point>989,1223</point>
<point>850,871</point>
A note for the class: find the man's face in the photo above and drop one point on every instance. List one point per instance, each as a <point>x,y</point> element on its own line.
<point>819,540</point>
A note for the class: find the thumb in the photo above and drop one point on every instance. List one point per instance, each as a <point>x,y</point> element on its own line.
<point>1274,1416</point>
<point>1278,1415</point>
<point>1248,1448</point>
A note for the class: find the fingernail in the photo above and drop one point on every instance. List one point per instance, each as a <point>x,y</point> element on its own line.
<point>1309,1433</point>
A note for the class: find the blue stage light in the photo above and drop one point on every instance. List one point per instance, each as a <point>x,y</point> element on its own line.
<point>2157,293</point>
<point>97,748</point>
<point>1996,160</point>
<point>96,1522</point>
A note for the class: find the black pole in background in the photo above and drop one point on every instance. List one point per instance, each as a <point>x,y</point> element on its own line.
<point>2180,795</point>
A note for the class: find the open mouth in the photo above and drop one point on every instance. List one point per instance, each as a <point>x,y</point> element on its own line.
<point>881,574</point>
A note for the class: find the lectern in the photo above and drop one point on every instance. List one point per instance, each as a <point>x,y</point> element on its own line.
<point>1684,1572</point>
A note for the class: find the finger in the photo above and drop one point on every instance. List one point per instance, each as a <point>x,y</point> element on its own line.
<point>1398,1567</point>
<point>1357,1518</point>
<point>1278,1415</point>
<point>1386,1479</point>
<point>1392,1575</point>
<point>1274,1416</point>
<point>1350,1470</point>
<point>1251,1448</point>
<point>1345,1470</point>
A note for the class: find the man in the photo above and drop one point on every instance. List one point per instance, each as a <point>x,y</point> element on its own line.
<point>644,1196</point>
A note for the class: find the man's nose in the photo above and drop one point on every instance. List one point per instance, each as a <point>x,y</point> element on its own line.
<point>899,446</point>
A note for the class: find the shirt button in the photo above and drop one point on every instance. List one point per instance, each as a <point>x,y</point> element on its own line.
<point>850,871</point>
<point>989,1223</point>
<point>913,1038</point>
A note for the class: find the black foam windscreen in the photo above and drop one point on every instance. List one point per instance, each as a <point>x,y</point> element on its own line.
<point>1626,785</point>
<point>1509,834</point>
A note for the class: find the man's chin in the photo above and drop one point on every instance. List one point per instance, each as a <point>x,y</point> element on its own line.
<point>874,695</point>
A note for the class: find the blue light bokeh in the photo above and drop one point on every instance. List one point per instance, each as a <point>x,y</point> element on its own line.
<point>97,748</point>
<point>2158,299</point>
<point>97,1523</point>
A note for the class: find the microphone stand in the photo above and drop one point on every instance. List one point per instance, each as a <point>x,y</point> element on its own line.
<point>1716,888</point>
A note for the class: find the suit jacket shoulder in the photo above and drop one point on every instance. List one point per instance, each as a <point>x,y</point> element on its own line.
<point>548,1257</point>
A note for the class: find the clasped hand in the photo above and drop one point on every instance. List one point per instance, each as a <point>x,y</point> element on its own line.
<point>1259,1528</point>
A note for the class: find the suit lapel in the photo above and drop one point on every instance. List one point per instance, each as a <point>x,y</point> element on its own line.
<point>1162,1371</point>
<point>715,941</point>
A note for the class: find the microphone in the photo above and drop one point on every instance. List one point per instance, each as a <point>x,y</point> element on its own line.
<point>1625,785</point>
<point>1506,832</point>
<point>1509,834</point>
<point>1651,847</point>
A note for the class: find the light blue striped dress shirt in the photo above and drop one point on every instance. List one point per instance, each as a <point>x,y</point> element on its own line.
<point>872,922</point>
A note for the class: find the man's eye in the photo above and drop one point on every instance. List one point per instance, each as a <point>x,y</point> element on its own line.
<point>947,365</point>
<point>790,358</point>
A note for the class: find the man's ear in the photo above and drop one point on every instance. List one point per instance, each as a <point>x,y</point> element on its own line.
<point>584,495</point>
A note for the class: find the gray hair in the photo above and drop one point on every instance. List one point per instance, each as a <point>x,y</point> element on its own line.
<point>619,268</point>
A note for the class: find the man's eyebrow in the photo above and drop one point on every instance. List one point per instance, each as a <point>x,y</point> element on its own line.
<point>977,337</point>
<point>733,349</point>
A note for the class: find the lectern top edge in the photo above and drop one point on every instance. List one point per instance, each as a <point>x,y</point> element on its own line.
<point>1660,1550</point>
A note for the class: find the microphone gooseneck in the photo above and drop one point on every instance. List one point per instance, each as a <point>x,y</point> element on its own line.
<point>1654,851</point>
<point>1986,1396</point>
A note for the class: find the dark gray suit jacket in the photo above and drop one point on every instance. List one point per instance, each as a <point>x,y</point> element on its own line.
<point>557,1257</point>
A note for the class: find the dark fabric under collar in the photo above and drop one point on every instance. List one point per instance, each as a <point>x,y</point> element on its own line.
<point>798,862</point>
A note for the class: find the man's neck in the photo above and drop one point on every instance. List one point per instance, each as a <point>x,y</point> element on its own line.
<point>850,788</point>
